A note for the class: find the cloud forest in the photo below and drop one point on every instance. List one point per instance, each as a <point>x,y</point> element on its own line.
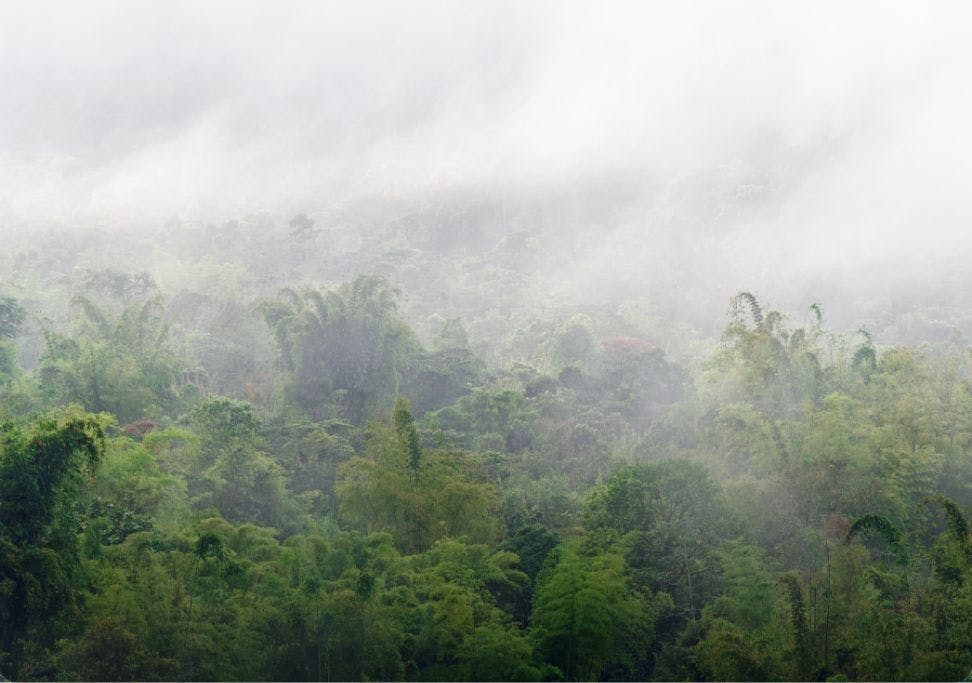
<point>514,341</point>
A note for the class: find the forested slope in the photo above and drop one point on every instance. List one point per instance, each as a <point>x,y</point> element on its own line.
<point>237,480</point>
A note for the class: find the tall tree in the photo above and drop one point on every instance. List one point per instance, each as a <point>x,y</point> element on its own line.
<point>585,616</point>
<point>118,363</point>
<point>41,467</point>
<point>345,349</point>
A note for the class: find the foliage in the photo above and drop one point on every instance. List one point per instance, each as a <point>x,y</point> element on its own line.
<point>883,528</point>
<point>344,348</point>
<point>41,467</point>
<point>12,316</point>
<point>585,617</point>
<point>418,495</point>
<point>667,518</point>
<point>560,502</point>
<point>118,364</point>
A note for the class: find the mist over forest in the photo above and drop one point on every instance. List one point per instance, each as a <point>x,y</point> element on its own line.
<point>485,341</point>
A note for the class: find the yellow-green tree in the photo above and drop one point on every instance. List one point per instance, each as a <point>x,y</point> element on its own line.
<point>419,495</point>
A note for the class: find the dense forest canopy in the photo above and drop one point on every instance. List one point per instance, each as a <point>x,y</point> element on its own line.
<point>337,498</point>
<point>518,341</point>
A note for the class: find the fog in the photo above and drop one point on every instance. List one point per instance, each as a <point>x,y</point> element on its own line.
<point>804,151</point>
<point>492,340</point>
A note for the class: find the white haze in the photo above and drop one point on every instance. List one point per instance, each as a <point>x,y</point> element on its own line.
<point>789,139</point>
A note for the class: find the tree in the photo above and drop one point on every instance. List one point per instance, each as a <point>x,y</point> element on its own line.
<point>497,652</point>
<point>233,473</point>
<point>742,631</point>
<point>12,316</point>
<point>116,363</point>
<point>345,349</point>
<point>108,651</point>
<point>764,361</point>
<point>666,518</point>
<point>585,616</point>
<point>41,465</point>
<point>458,587</point>
<point>420,495</point>
<point>407,435</point>
<point>449,371</point>
<point>310,454</point>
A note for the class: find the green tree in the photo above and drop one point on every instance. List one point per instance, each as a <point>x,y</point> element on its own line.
<point>585,617</point>
<point>345,349</point>
<point>497,652</point>
<point>765,362</point>
<point>743,636</point>
<point>448,372</point>
<point>41,467</point>
<point>667,518</point>
<point>116,363</point>
<point>448,499</point>
<point>234,474</point>
<point>12,316</point>
<point>407,434</point>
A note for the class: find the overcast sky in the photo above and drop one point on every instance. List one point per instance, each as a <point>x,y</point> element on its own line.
<point>849,121</point>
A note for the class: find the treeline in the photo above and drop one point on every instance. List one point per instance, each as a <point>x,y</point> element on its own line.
<point>376,507</point>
